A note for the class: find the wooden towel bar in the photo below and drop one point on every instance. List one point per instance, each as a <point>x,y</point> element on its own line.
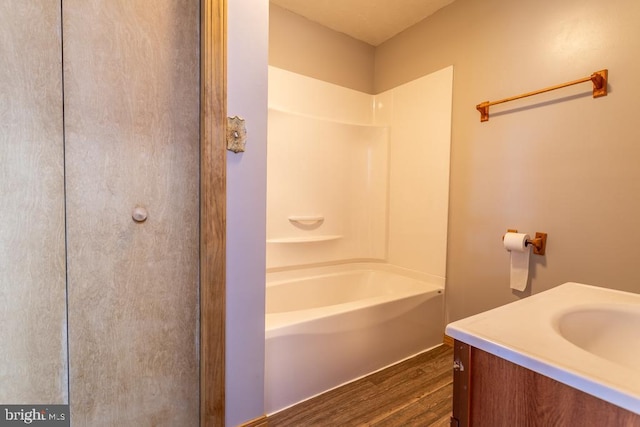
<point>599,80</point>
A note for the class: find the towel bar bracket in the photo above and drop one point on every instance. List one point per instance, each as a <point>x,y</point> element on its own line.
<point>599,79</point>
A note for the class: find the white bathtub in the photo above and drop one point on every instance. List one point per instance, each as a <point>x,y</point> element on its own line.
<point>331,325</point>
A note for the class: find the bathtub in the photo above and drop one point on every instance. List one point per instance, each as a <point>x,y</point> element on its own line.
<point>329,326</point>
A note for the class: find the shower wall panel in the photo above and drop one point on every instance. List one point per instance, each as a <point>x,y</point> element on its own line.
<point>326,160</point>
<point>419,113</point>
<point>33,349</point>
<point>376,168</point>
<point>331,170</point>
<point>131,83</point>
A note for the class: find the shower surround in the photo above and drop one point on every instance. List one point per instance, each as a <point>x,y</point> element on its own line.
<point>354,178</point>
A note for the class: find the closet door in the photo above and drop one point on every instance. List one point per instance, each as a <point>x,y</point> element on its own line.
<point>131,92</point>
<point>33,349</point>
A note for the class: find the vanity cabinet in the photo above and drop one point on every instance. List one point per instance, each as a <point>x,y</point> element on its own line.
<point>491,391</point>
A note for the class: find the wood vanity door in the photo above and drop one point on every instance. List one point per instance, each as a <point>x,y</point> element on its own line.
<point>461,384</point>
<point>494,392</point>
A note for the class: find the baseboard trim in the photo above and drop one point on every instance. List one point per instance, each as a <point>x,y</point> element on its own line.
<point>447,340</point>
<point>257,422</point>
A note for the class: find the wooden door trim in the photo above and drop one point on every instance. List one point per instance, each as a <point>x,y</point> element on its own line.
<point>213,171</point>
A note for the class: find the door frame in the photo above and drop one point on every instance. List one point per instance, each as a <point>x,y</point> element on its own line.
<point>213,171</point>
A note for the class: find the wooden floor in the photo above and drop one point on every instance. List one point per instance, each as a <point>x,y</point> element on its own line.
<point>416,392</point>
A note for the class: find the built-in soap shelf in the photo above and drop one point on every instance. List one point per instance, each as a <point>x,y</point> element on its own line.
<point>308,223</point>
<point>306,220</point>
<point>305,239</point>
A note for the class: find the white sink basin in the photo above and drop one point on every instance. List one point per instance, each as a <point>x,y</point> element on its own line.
<point>608,331</point>
<point>582,336</point>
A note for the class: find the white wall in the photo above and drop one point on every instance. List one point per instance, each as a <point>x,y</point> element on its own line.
<point>246,197</point>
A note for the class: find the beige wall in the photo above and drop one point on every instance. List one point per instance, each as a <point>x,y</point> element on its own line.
<point>561,163</point>
<point>304,47</point>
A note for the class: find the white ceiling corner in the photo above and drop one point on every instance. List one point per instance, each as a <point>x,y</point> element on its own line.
<point>371,21</point>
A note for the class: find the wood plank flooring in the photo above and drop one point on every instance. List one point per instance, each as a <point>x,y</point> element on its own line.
<point>416,392</point>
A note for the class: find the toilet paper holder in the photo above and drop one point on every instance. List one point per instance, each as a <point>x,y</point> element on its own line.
<point>539,242</point>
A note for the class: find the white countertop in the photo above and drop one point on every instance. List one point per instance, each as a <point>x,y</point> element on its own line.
<point>527,333</point>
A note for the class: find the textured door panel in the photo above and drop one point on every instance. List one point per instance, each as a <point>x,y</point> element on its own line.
<point>132,131</point>
<point>33,349</point>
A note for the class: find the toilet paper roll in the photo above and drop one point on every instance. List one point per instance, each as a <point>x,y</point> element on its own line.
<point>515,243</point>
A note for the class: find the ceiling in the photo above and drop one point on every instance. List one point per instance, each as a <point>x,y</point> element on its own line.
<point>372,21</point>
